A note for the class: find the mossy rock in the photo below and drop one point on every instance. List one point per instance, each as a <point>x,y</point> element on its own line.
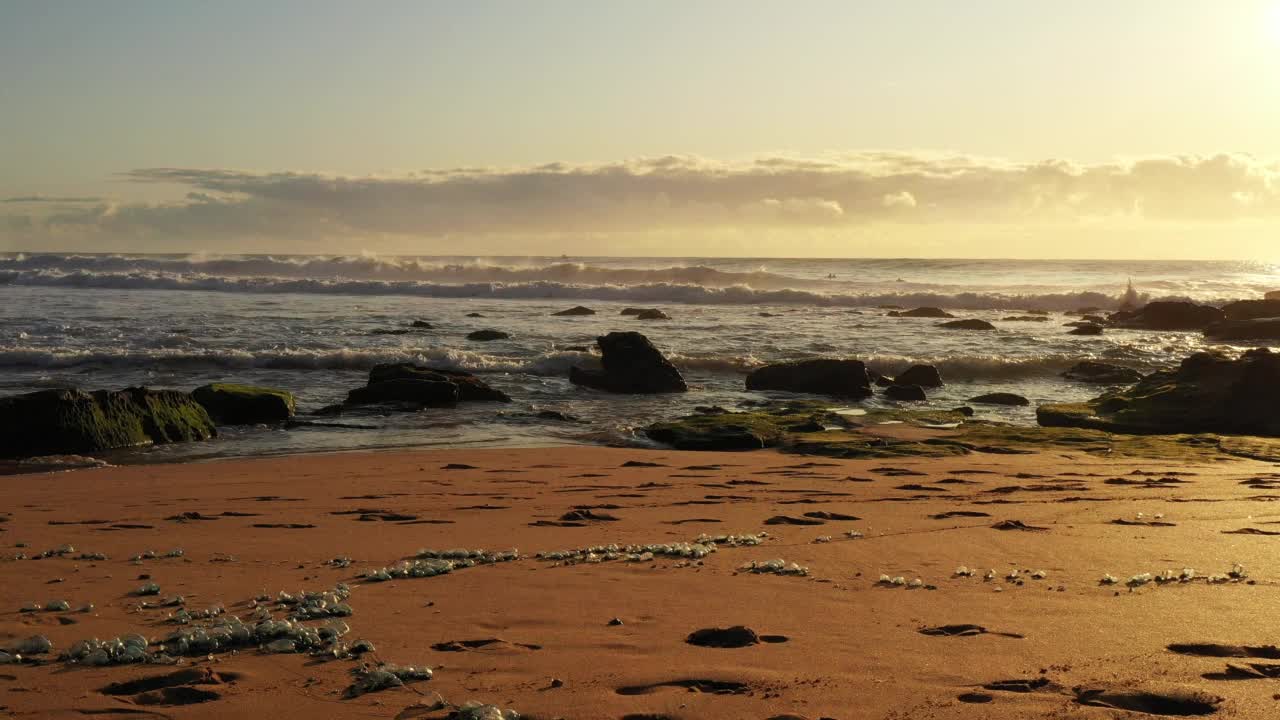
<point>233,404</point>
<point>74,421</point>
<point>725,431</point>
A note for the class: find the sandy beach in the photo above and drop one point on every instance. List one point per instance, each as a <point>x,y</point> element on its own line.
<point>835,642</point>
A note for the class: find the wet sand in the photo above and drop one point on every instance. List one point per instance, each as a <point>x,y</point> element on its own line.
<point>839,644</point>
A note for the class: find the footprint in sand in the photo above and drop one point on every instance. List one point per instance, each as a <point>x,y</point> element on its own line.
<point>788,520</point>
<point>1151,703</point>
<point>714,687</point>
<point>1017,525</point>
<point>959,513</point>
<point>964,630</point>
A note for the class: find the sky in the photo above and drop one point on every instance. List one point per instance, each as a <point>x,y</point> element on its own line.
<point>830,128</point>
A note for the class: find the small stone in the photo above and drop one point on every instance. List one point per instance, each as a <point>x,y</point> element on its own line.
<point>557,683</point>
<point>615,622</point>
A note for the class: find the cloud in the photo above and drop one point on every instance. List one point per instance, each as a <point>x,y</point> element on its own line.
<point>668,194</point>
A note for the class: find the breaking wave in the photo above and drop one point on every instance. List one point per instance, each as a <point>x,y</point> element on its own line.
<point>652,293</point>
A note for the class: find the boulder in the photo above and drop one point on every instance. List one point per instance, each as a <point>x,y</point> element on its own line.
<point>1000,398</point>
<point>1259,329</point>
<point>574,312</point>
<point>234,404</point>
<point>487,335</point>
<point>631,311</point>
<point>470,387</point>
<point>922,312</point>
<point>421,324</point>
<point>51,422</point>
<point>391,331</point>
<point>1026,318</point>
<point>474,314</point>
<point>1168,315</point>
<point>631,365</point>
<point>1086,329</point>
<point>968,324</point>
<point>652,314</point>
<point>1251,309</point>
<point>424,393</point>
<point>922,375</point>
<point>905,393</point>
<point>841,378</point>
<point>1207,393</point>
<point>1092,371</point>
<point>720,431</point>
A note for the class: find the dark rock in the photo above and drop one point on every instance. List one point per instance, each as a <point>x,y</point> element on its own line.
<point>1168,315</point>
<point>725,431</point>
<point>1091,371</point>
<point>652,314</point>
<point>922,375</point>
<point>922,312</point>
<point>395,331</point>
<point>967,324</point>
<point>557,415</point>
<point>1208,393</point>
<point>421,324</point>
<point>631,365</point>
<point>631,311</point>
<point>1252,309</point>
<point>52,422</point>
<point>1000,398</point>
<point>474,314</point>
<point>429,393</point>
<point>470,387</point>
<point>905,393</point>
<point>737,636</point>
<point>1259,329</point>
<point>841,378</point>
<point>574,312</point>
<point>1086,329</point>
<point>232,404</point>
<point>1025,318</point>
<point>964,410</point>
<point>577,348</point>
<point>486,335</point>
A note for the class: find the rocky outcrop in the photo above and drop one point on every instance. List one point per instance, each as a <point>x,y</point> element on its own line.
<point>652,314</point>
<point>1086,329</point>
<point>905,393</point>
<point>1026,318</point>
<point>470,387</point>
<point>52,422</point>
<point>922,375</point>
<point>1251,309</point>
<point>968,324</point>
<point>575,312</point>
<point>631,364</point>
<point>1000,398</point>
<point>1259,329</point>
<point>1207,393</point>
<point>420,324</point>
<point>841,378</point>
<point>921,312</point>
<point>420,393</point>
<point>234,404</point>
<point>1168,315</point>
<point>487,335</point>
<point>1092,371</point>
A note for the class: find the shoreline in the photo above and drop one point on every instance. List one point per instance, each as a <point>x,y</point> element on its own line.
<point>853,646</point>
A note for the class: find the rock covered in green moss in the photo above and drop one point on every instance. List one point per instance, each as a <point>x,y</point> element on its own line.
<point>234,404</point>
<point>719,431</point>
<point>52,422</point>
<point>1207,393</point>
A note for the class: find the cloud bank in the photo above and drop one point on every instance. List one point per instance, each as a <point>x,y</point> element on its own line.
<point>888,191</point>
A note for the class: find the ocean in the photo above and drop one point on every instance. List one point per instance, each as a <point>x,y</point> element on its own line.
<point>315,325</point>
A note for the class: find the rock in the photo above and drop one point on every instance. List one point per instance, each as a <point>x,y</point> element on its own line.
<point>394,331</point>
<point>1000,398</point>
<point>577,348</point>
<point>724,431</point>
<point>233,404</point>
<point>1251,309</point>
<point>631,365</point>
<point>574,312</point>
<point>1168,315</point>
<point>738,636</point>
<point>921,312</point>
<point>631,311</point>
<point>1086,329</point>
<point>964,410</point>
<point>652,314</point>
<point>421,325</point>
<point>470,387</point>
<point>922,375</point>
<point>1207,393</point>
<point>487,335</point>
<point>1025,318</point>
<point>968,324</point>
<point>841,378</point>
<point>1259,329</point>
<point>905,393</point>
<point>52,422</point>
<point>474,314</point>
<point>1095,319</point>
<point>1091,371</point>
<point>429,393</point>
<point>557,415</point>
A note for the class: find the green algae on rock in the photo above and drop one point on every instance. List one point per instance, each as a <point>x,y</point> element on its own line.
<point>74,421</point>
<point>234,404</point>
